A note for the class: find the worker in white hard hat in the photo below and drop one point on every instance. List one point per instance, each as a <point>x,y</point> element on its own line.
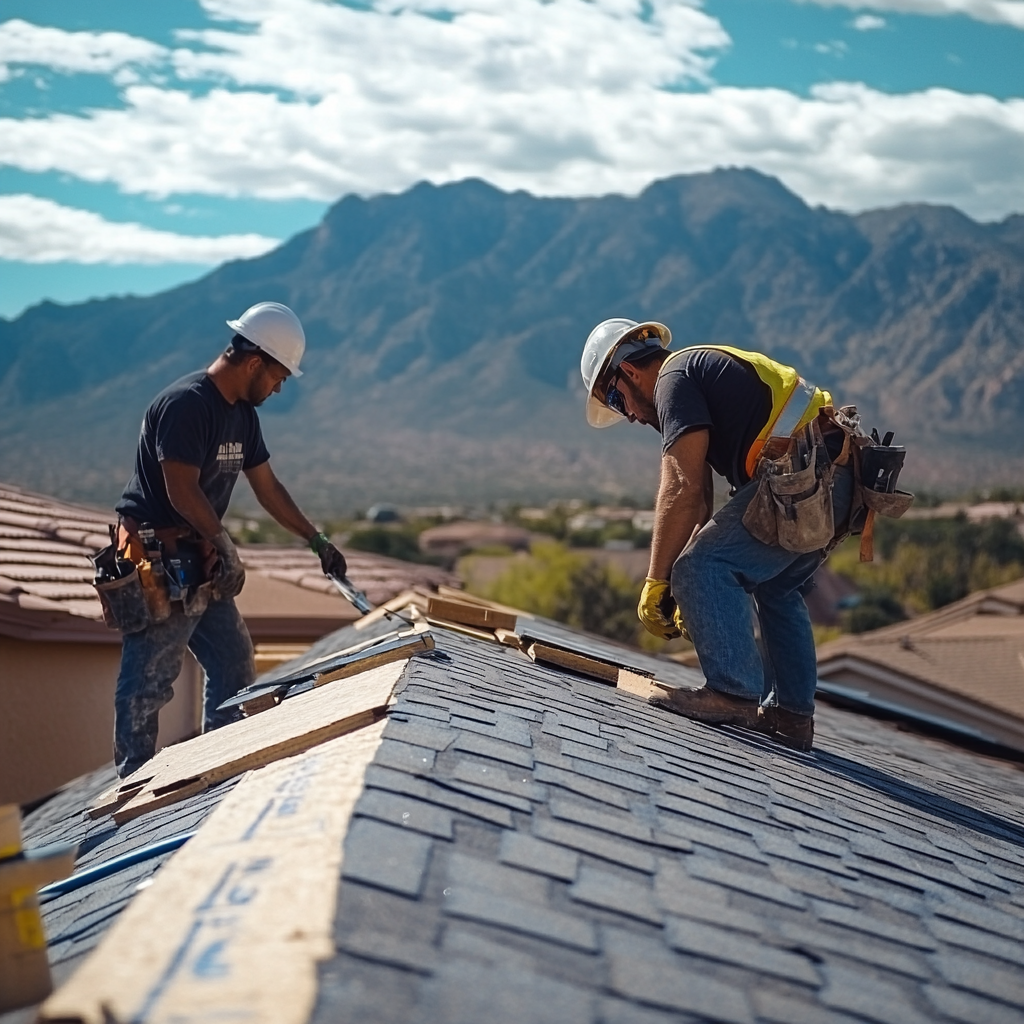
<point>197,435</point>
<point>723,409</point>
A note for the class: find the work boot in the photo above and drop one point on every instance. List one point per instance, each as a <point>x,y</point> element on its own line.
<point>787,727</point>
<point>710,706</point>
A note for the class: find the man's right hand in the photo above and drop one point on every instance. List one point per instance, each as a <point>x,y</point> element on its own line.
<point>657,609</point>
<point>229,574</point>
<point>332,561</point>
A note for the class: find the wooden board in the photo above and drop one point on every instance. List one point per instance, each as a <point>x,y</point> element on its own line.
<point>508,638</point>
<point>460,627</point>
<point>181,770</point>
<point>232,927</point>
<point>640,686</point>
<point>468,614</point>
<point>373,658</point>
<point>599,670</point>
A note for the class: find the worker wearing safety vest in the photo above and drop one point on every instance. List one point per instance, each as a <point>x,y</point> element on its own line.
<point>716,407</point>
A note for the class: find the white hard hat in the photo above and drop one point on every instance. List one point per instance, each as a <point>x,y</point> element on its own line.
<point>275,329</point>
<point>605,350</point>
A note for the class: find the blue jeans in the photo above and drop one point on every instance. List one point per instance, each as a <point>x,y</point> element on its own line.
<point>151,661</point>
<point>713,582</point>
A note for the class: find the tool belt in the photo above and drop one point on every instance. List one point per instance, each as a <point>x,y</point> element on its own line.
<point>140,573</point>
<point>792,507</point>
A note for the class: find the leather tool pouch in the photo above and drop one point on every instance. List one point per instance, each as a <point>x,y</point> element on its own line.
<point>792,507</point>
<point>120,590</point>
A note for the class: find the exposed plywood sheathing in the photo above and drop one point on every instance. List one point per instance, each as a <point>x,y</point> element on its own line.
<point>233,926</point>
<point>640,685</point>
<point>296,725</point>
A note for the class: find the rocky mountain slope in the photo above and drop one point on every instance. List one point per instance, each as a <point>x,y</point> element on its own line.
<point>445,326</point>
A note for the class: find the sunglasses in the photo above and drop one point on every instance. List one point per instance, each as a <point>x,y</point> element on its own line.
<point>614,398</point>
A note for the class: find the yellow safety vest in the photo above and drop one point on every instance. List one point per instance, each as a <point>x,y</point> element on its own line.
<point>795,401</point>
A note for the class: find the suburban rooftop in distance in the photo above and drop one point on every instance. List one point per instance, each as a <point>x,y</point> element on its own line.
<point>480,818</point>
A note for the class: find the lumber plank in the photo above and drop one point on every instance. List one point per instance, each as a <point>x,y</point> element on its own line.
<point>509,638</point>
<point>461,627</point>
<point>637,684</point>
<point>480,616</point>
<point>599,670</point>
<point>233,926</point>
<point>416,644</point>
<point>293,726</point>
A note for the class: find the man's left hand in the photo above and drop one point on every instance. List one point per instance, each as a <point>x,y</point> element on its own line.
<point>332,561</point>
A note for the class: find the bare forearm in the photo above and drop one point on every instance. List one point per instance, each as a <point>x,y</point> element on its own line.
<point>273,496</point>
<point>190,502</point>
<point>677,512</point>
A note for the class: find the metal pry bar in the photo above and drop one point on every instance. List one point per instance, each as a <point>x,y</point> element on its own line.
<point>355,597</point>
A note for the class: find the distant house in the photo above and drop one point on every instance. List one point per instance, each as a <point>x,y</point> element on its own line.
<point>453,539</point>
<point>962,666</point>
<point>59,663</point>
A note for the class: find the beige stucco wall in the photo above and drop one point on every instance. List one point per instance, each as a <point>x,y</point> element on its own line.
<point>57,713</point>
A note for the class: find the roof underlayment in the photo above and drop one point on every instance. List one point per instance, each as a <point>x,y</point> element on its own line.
<point>503,839</point>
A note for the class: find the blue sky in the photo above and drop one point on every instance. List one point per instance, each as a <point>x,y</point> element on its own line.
<point>143,144</point>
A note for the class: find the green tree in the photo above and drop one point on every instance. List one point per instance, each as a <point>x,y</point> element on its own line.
<point>567,587</point>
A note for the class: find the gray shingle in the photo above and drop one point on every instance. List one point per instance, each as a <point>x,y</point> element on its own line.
<point>642,969</point>
<point>971,1009</point>
<point>784,1009</point>
<point>718,839</point>
<point>865,994</point>
<point>582,814</point>
<point>786,849</point>
<point>399,809</point>
<point>867,950</point>
<point>378,777</point>
<point>985,978</point>
<point>404,757</point>
<point>419,734</point>
<point>387,857</point>
<point>390,949</point>
<point>563,730</point>
<point>491,777</point>
<point>968,937</point>
<point>811,883</point>
<point>928,869</point>
<point>466,870</point>
<point>859,921</point>
<point>497,750</point>
<point>753,885</point>
<point>686,900</point>
<point>419,711</point>
<point>506,727</point>
<point>602,773</point>
<point>526,851</point>
<point>518,916</point>
<point>706,940</point>
<point>615,894</point>
<point>492,795</point>
<point>583,785</point>
<point>594,843</point>
<point>712,815</point>
<point>570,748</point>
<point>996,921</point>
<point>463,992</point>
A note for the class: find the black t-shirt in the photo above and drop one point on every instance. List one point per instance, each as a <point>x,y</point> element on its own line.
<point>192,422</point>
<point>703,387</point>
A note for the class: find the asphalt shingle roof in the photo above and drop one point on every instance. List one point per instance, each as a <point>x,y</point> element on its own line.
<point>533,846</point>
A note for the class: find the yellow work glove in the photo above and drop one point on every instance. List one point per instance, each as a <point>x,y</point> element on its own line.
<point>657,610</point>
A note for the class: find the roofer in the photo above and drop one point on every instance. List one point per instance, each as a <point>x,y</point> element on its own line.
<point>197,436</point>
<point>723,409</point>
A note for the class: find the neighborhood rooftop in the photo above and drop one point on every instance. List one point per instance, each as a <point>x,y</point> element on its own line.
<point>471,822</point>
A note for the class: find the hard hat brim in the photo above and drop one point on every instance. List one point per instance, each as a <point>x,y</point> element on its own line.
<point>239,328</point>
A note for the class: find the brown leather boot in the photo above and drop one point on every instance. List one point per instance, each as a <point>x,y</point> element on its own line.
<point>787,727</point>
<point>710,706</point>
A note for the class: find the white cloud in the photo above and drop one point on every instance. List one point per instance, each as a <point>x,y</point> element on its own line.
<point>96,52</point>
<point>564,97</point>
<point>867,22</point>
<point>996,12</point>
<point>35,230</point>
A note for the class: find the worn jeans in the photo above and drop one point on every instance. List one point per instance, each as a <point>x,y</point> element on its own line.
<point>151,661</point>
<point>713,582</point>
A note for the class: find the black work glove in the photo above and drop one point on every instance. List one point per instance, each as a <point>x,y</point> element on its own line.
<point>332,561</point>
<point>229,575</point>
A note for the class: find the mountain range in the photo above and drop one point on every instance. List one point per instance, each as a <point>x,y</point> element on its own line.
<point>445,326</point>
